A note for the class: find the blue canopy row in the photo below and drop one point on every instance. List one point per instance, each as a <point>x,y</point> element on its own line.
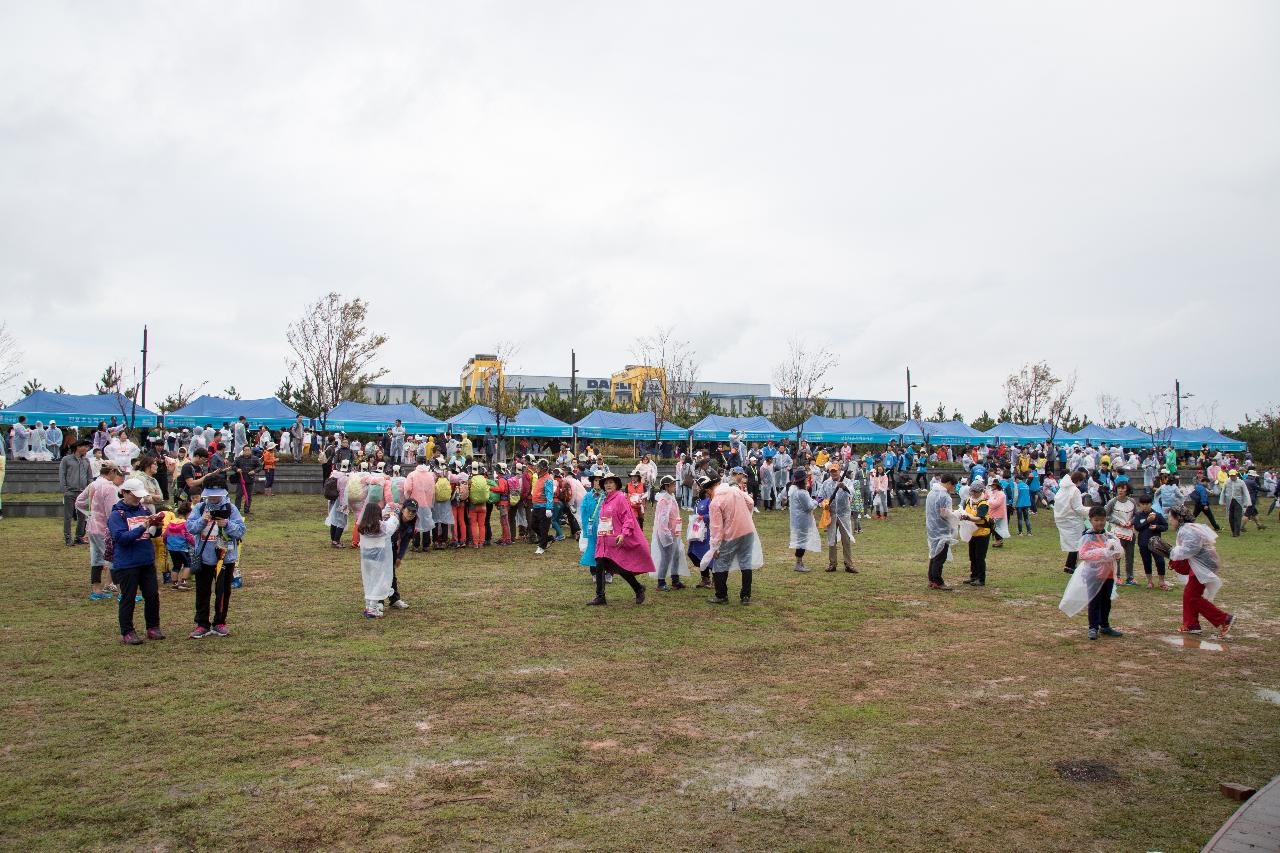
<point>268,411</point>
<point>637,426</point>
<point>370,417</point>
<point>754,428</point>
<point>530,421</point>
<point>78,410</point>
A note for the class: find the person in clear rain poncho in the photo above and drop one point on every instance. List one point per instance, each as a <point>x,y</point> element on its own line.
<point>1194,557</point>
<point>1070,515</point>
<point>940,523</point>
<point>377,562</point>
<point>804,527</point>
<point>836,493</point>
<point>1093,582</point>
<point>664,548</point>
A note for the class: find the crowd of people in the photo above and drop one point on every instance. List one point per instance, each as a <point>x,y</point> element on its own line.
<point>185,495</point>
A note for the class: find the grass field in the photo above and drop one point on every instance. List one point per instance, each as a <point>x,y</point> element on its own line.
<point>837,712</point>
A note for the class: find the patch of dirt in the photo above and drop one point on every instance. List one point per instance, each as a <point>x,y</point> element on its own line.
<point>540,670</point>
<point>1268,695</point>
<point>771,783</point>
<point>1086,771</point>
<point>596,745</point>
<point>307,740</point>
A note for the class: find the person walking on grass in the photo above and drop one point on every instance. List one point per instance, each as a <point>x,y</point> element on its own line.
<point>977,511</point>
<point>938,528</point>
<point>1093,582</point>
<point>543,498</point>
<point>74,475</point>
<point>1121,512</point>
<point>95,502</point>
<point>735,546</point>
<point>1022,502</point>
<point>837,498</point>
<point>377,562</point>
<point>1235,497</point>
<point>133,560</point>
<point>620,545</point>
<point>664,549</point>
<point>804,527</point>
<point>1070,515</point>
<point>218,528</point>
<point>406,531</point>
<point>1149,524</point>
<point>1194,558</point>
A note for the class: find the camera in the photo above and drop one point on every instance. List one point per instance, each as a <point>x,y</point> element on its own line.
<point>220,512</point>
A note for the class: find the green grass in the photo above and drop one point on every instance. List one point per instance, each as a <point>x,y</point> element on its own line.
<point>837,712</point>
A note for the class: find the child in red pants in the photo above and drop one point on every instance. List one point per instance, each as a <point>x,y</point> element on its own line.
<point>1195,559</point>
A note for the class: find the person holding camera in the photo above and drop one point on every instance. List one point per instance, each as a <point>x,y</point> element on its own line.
<point>133,561</point>
<point>218,528</point>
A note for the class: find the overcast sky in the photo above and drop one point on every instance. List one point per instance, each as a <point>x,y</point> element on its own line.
<point>961,187</point>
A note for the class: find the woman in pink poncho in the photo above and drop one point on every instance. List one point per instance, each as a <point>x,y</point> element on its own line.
<point>620,544</point>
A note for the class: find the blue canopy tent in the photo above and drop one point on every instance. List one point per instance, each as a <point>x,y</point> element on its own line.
<point>1131,436</point>
<point>1194,439</point>
<point>637,426</point>
<point>1011,433</point>
<point>78,410</point>
<point>369,417</point>
<point>528,421</point>
<point>756,428</point>
<point>268,411</point>
<point>942,432</point>
<point>859,430</point>
<point>1095,434</point>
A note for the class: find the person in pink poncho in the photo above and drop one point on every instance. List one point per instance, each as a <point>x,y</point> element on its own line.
<point>620,544</point>
<point>420,486</point>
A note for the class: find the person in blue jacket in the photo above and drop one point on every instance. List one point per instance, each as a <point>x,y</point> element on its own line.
<point>590,509</point>
<point>133,561</point>
<point>1022,503</point>
<point>218,528</point>
<point>698,547</point>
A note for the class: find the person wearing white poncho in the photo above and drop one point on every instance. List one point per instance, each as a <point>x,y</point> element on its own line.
<point>940,522</point>
<point>1070,515</point>
<point>1093,583</point>
<point>664,548</point>
<point>377,560</point>
<point>1195,560</point>
<point>804,527</point>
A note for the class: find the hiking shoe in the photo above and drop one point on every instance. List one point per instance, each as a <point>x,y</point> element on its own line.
<point>100,596</point>
<point>831,568</point>
<point>199,632</point>
<point>745,599</point>
<point>1111,632</point>
<point>662,587</point>
<point>801,567</point>
<point>221,630</point>
<point>598,601</point>
<point>155,634</point>
<point>851,570</point>
<point>715,599</point>
<point>1130,582</point>
<point>1068,570</point>
<point>400,604</point>
<point>677,585</point>
<point>1093,633</point>
<point>131,639</point>
<point>640,596</point>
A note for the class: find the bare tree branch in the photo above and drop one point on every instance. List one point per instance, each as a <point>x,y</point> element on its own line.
<point>675,364</point>
<point>801,380</point>
<point>332,351</point>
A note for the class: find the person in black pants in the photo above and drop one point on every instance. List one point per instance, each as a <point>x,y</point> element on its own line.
<point>977,511</point>
<point>218,528</point>
<point>133,561</point>
<point>1100,551</point>
<point>1200,501</point>
<point>1149,524</point>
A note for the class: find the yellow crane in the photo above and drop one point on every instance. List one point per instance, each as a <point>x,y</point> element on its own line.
<point>482,371</point>
<point>637,377</point>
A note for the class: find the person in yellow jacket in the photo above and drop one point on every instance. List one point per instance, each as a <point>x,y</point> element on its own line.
<point>975,509</point>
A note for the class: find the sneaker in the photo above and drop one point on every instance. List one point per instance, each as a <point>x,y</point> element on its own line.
<point>851,570</point>
<point>703,585</point>
<point>236,583</point>
<point>371,614</point>
<point>400,604</point>
<point>221,630</point>
<point>608,577</point>
<point>199,632</point>
<point>155,634</point>
<point>1130,582</point>
<point>662,587</point>
<point>1068,570</point>
<point>677,585</point>
<point>598,601</point>
<point>1226,629</point>
<point>100,596</point>
<point>1111,632</point>
<point>131,639</point>
<point>1164,586</point>
<point>1093,633</point>
<point>831,568</point>
<point>715,599</point>
<point>640,596</point>
<point>745,600</point>
<point>801,567</point>
<point>540,551</point>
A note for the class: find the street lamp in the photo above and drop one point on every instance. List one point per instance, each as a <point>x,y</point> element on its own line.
<point>1178,397</point>
<point>909,387</point>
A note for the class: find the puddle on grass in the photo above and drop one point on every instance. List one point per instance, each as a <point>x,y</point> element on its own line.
<point>1193,642</point>
<point>1268,695</point>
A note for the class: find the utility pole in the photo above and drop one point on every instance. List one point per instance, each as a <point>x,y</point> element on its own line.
<point>908,417</point>
<point>144,367</point>
<point>573,394</point>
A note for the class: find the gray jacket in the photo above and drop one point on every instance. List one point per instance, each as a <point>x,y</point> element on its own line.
<point>74,473</point>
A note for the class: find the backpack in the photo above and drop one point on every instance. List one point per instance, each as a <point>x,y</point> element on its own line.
<point>478,491</point>
<point>442,489</point>
<point>331,489</point>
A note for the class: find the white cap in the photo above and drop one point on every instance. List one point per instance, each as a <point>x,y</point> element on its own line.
<point>136,486</point>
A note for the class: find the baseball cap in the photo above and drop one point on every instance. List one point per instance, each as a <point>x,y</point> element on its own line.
<point>135,486</point>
